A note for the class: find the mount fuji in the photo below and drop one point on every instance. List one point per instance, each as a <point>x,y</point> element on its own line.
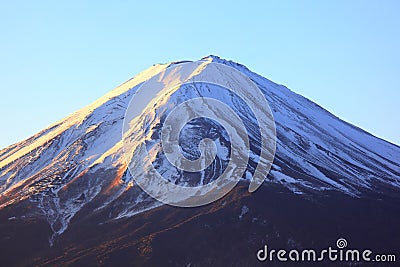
<point>68,198</point>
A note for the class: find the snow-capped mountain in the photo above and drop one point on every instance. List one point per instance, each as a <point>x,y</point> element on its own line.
<point>77,165</point>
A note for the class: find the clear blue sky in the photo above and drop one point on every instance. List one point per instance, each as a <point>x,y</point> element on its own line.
<point>58,56</point>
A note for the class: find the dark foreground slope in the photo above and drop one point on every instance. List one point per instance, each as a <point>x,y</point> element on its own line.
<point>228,232</point>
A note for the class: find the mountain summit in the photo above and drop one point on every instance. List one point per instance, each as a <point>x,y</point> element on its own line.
<point>72,180</point>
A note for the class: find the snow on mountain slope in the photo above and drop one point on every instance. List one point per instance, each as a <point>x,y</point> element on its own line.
<point>80,160</point>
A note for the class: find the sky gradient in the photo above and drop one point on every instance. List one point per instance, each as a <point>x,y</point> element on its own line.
<point>59,56</point>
